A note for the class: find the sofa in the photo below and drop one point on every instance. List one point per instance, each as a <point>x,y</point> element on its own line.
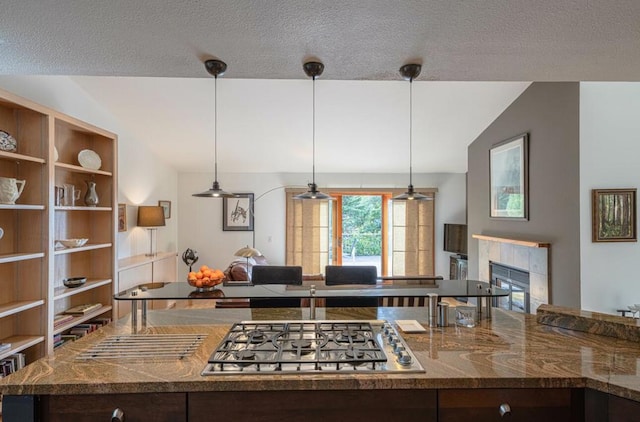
<point>238,271</point>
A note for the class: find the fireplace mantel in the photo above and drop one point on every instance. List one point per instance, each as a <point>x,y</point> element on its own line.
<point>527,243</point>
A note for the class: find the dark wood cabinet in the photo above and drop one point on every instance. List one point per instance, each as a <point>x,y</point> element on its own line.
<point>518,404</point>
<point>478,405</point>
<point>603,407</point>
<point>315,406</point>
<point>160,407</point>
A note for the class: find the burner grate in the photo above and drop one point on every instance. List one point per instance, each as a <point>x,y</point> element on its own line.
<point>145,346</point>
<point>299,346</point>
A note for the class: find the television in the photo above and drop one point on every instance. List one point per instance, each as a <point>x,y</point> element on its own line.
<point>455,238</point>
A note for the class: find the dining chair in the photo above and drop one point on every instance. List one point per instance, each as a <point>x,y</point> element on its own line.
<point>336,275</point>
<point>275,274</point>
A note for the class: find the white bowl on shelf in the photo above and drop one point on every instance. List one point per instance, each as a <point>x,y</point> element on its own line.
<point>72,243</point>
<point>89,159</point>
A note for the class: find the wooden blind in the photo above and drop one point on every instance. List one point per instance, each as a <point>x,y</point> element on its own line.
<point>307,233</point>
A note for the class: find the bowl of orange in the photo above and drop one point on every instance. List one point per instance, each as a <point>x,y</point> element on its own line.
<point>205,279</point>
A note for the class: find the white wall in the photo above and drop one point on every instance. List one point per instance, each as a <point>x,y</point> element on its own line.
<point>609,158</point>
<point>200,219</point>
<point>143,177</point>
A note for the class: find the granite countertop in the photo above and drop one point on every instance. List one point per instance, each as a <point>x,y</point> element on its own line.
<point>511,350</point>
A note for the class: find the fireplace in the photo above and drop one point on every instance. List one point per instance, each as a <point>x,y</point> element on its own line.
<point>514,280</point>
<point>529,256</point>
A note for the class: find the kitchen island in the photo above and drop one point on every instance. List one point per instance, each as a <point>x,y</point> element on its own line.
<point>537,368</point>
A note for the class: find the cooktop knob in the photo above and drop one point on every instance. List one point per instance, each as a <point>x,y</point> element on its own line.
<point>399,347</point>
<point>404,358</point>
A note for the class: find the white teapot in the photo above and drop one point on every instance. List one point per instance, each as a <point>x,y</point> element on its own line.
<point>10,190</point>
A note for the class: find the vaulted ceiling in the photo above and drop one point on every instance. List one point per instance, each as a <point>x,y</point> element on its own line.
<point>142,60</point>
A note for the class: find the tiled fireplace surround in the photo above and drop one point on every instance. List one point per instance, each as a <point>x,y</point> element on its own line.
<point>524,255</point>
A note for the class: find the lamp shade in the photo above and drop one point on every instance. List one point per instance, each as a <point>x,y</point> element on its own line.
<point>150,216</point>
<point>248,252</point>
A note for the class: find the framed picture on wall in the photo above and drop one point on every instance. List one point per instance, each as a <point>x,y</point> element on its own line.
<point>237,212</point>
<point>166,207</point>
<point>509,178</point>
<point>122,217</point>
<point>613,213</point>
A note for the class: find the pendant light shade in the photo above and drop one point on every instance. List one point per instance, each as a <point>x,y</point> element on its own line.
<point>216,68</point>
<point>410,72</point>
<point>313,70</point>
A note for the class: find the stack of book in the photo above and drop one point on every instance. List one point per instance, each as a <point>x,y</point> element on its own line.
<point>11,364</point>
<point>82,330</point>
<point>61,319</point>
<point>77,331</point>
<point>83,309</point>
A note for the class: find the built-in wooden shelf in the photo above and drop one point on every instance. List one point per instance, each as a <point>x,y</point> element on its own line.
<point>82,248</point>
<point>62,291</point>
<point>60,208</point>
<point>21,207</point>
<point>19,343</point>
<point>20,157</point>
<point>527,243</point>
<point>79,319</point>
<point>80,169</point>
<point>19,306</point>
<point>14,257</point>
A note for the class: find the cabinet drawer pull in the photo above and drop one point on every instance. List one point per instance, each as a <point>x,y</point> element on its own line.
<point>505,410</point>
<point>117,415</point>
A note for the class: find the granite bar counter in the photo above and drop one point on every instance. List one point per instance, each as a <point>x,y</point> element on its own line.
<point>511,350</point>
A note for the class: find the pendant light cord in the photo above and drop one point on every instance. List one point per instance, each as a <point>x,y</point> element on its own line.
<point>313,137</point>
<point>410,132</point>
<point>215,130</point>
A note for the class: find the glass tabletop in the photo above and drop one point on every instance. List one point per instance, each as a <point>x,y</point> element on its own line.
<point>182,290</point>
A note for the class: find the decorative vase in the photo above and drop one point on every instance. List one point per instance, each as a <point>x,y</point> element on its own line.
<point>91,197</point>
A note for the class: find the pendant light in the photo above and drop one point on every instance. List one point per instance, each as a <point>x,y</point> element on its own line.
<point>410,72</point>
<point>216,68</point>
<point>313,70</point>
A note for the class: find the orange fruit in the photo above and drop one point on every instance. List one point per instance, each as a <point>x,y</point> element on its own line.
<point>199,275</point>
<point>204,268</point>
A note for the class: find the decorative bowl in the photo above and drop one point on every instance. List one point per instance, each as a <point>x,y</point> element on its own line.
<point>205,284</point>
<point>72,243</point>
<point>89,159</point>
<point>74,281</point>
<point>7,142</point>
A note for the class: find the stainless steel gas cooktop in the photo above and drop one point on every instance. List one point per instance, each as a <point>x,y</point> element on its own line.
<point>288,347</point>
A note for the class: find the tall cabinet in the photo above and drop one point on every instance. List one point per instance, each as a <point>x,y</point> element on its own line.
<point>32,263</point>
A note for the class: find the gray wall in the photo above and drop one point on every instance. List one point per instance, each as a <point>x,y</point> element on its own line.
<point>549,112</point>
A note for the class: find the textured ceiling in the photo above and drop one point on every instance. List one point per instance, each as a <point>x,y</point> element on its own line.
<point>457,40</point>
<point>162,95</point>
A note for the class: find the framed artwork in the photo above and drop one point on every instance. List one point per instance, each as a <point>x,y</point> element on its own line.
<point>166,206</point>
<point>613,213</point>
<point>122,217</point>
<point>237,212</point>
<point>509,178</point>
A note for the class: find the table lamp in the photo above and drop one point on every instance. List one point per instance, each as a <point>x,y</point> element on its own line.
<point>248,252</point>
<point>151,217</point>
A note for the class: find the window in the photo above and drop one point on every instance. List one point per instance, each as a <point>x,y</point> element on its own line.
<point>314,232</point>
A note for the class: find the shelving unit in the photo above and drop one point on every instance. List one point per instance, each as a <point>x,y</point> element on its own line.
<point>97,259</point>
<point>31,267</point>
